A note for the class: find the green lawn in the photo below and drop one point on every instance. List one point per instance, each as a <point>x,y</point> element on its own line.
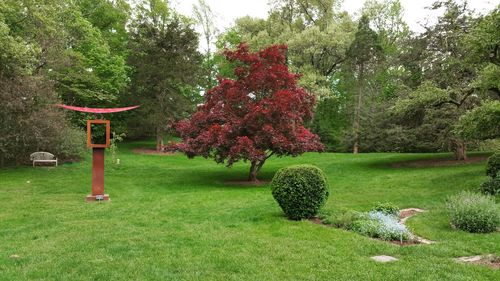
<point>171,218</point>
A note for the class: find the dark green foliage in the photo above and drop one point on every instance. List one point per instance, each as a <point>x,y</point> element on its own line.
<point>387,208</point>
<point>366,227</point>
<point>342,218</point>
<point>473,212</point>
<point>165,64</point>
<point>491,186</point>
<point>29,122</point>
<point>300,190</point>
<point>493,165</point>
<point>328,123</point>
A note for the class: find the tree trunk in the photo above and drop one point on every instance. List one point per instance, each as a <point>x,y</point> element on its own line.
<point>357,111</point>
<point>255,169</point>
<point>252,176</point>
<point>460,150</point>
<point>159,140</point>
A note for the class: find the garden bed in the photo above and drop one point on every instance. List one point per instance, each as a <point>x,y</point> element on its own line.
<point>403,215</point>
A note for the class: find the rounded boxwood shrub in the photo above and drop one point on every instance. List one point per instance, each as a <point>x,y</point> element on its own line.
<point>493,165</point>
<point>473,212</point>
<point>300,190</point>
<point>491,186</point>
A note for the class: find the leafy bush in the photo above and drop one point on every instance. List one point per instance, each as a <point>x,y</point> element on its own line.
<point>473,212</point>
<point>387,208</point>
<point>381,225</point>
<point>342,219</point>
<point>300,190</point>
<point>366,227</point>
<point>493,165</point>
<point>491,186</point>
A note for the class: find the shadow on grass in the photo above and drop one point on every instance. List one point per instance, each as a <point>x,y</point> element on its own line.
<point>423,161</point>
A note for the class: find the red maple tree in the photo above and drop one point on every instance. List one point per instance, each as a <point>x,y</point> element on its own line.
<point>257,115</point>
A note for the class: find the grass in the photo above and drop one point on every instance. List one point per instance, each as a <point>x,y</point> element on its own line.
<point>171,218</point>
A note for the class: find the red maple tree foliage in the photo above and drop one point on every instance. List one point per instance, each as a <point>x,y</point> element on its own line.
<point>259,114</point>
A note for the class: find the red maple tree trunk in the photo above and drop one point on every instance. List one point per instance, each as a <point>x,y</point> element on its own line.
<point>255,169</point>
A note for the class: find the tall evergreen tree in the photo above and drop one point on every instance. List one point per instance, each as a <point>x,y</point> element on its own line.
<point>165,61</point>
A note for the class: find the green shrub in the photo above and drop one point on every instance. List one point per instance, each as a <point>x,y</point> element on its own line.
<point>387,208</point>
<point>493,165</point>
<point>342,218</point>
<point>491,186</point>
<point>366,227</point>
<point>473,212</point>
<point>300,190</point>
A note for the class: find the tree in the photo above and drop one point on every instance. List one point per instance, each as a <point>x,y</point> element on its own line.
<point>28,120</point>
<point>480,123</point>
<point>165,63</point>
<point>72,53</point>
<point>205,18</point>
<point>259,114</point>
<point>459,64</point>
<point>364,52</point>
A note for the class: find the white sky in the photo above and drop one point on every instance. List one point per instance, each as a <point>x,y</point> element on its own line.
<point>229,10</point>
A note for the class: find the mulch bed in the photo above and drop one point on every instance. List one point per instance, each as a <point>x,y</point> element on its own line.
<point>405,243</point>
<point>437,162</point>
<point>316,220</point>
<point>491,260</point>
<point>150,151</point>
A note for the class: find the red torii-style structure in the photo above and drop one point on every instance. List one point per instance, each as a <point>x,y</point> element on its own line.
<point>97,148</point>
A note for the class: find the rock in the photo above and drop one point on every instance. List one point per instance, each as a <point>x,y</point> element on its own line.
<point>14,256</point>
<point>384,258</point>
<point>424,241</point>
<point>470,259</point>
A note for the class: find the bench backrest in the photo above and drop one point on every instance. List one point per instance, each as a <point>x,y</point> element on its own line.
<point>41,156</point>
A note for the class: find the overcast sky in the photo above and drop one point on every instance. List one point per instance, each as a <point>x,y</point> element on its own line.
<point>229,10</point>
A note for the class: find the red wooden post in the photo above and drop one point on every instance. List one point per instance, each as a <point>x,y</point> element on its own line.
<point>97,162</point>
<point>97,176</point>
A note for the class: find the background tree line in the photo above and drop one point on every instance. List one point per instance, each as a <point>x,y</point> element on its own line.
<point>94,53</point>
<point>382,87</point>
<point>379,86</point>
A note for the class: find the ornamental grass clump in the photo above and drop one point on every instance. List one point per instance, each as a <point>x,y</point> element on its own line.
<point>473,212</point>
<point>300,190</point>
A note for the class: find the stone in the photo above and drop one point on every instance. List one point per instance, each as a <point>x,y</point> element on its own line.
<point>384,258</point>
<point>470,259</point>
<point>15,256</point>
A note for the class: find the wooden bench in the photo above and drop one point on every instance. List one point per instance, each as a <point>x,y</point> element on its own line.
<point>43,157</point>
